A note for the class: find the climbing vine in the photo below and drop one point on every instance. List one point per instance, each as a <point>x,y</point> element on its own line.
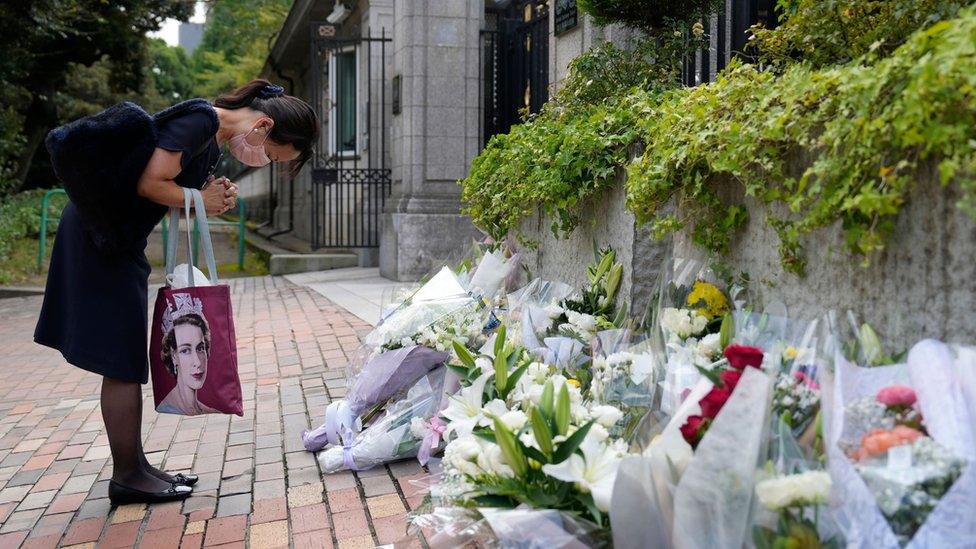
<point>866,124</point>
<point>862,129</point>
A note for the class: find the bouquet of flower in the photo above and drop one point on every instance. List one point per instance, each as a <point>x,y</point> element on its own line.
<point>403,430</point>
<point>688,314</point>
<point>522,527</point>
<point>702,464</point>
<point>623,376</point>
<point>901,447</point>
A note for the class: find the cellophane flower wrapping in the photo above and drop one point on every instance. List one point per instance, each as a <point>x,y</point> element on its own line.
<point>794,351</point>
<point>522,528</point>
<point>909,481</point>
<point>623,371</point>
<point>713,499</point>
<point>397,434</point>
<point>792,496</point>
<point>687,314</point>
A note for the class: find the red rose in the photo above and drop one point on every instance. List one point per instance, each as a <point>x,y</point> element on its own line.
<point>730,378</point>
<point>741,356</point>
<point>713,401</point>
<point>693,429</point>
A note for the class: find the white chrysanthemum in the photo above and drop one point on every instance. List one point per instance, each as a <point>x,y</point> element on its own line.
<point>606,415</point>
<point>554,311</point>
<point>808,488</point>
<point>682,323</point>
<point>462,454</point>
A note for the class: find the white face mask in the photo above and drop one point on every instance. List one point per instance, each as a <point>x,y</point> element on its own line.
<point>248,154</point>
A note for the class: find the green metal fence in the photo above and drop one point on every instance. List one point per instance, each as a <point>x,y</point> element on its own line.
<point>240,222</point>
<point>42,245</point>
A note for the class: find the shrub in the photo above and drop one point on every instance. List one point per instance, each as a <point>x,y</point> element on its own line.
<point>20,217</point>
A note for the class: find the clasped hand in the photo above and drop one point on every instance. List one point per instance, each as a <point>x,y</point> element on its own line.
<point>220,195</point>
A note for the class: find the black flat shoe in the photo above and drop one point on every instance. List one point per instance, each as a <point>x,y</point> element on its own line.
<point>120,495</point>
<point>185,480</point>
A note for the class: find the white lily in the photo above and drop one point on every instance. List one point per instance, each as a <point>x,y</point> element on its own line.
<point>465,409</point>
<point>595,472</point>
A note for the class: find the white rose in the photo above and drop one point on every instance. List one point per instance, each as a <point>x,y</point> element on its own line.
<point>808,488</point>
<point>406,342</point>
<point>491,460</point>
<point>462,454</point>
<point>496,408</point>
<point>606,415</point>
<point>514,419</point>
<point>710,345</point>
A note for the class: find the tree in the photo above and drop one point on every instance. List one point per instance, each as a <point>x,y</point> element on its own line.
<point>43,41</point>
<point>236,42</point>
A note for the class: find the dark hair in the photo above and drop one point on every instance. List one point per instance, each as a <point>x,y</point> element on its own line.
<point>169,340</point>
<point>295,122</point>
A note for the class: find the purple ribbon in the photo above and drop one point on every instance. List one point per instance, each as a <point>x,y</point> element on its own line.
<point>348,460</point>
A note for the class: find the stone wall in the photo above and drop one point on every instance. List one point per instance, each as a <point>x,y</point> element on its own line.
<point>607,222</point>
<point>923,285</point>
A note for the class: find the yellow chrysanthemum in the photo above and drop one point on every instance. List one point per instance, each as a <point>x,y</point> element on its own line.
<point>708,300</point>
<point>573,383</point>
<point>791,352</point>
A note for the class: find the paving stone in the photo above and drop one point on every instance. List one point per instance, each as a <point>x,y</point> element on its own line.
<point>79,484</point>
<point>377,486</point>
<point>21,520</point>
<point>237,485</point>
<point>84,531</point>
<point>67,503</point>
<point>234,505</point>
<point>321,539</point>
<point>269,471</point>
<point>269,510</point>
<point>269,535</point>
<point>166,538</point>
<point>359,542</point>
<point>27,477</point>
<point>120,535</point>
<point>390,529</point>
<point>226,530</point>
<point>194,541</point>
<point>37,500</point>
<point>345,500</point>
<point>50,482</point>
<point>385,506</point>
<point>308,494</point>
<point>129,513</point>
<point>350,524</point>
<point>195,527</point>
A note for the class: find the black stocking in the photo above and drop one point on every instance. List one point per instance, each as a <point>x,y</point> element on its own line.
<point>146,466</point>
<point>122,414</point>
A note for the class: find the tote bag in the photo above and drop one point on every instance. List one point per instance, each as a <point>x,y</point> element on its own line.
<point>193,349</point>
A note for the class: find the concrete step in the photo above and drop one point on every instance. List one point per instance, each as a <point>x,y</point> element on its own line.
<point>282,264</point>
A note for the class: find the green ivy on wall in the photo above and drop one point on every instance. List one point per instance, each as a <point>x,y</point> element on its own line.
<point>866,125</point>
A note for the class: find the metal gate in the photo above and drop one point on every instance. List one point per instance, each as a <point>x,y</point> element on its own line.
<point>350,175</point>
<point>515,63</point>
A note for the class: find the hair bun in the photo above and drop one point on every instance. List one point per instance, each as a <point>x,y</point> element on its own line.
<point>271,90</point>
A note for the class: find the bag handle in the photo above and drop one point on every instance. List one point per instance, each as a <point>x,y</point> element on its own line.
<point>173,239</point>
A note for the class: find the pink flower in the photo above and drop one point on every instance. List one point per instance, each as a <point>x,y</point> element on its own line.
<point>896,395</point>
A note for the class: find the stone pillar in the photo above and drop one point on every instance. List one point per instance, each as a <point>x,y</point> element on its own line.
<point>435,135</point>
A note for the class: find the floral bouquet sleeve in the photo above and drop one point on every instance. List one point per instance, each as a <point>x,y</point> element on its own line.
<point>623,376</point>
<point>901,452</point>
<point>688,315</point>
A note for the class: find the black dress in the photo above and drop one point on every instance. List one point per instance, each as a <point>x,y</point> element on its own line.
<point>95,307</point>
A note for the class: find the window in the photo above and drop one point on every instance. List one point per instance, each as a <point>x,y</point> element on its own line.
<point>342,137</point>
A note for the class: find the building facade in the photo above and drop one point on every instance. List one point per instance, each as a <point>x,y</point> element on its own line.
<point>408,92</point>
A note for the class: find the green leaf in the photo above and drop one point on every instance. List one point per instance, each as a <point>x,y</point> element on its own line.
<point>540,429</point>
<point>546,402</point>
<point>485,434</point>
<point>511,449</point>
<point>727,331</point>
<point>500,339</point>
<point>568,446</point>
<point>501,373</point>
<point>514,377</point>
<point>712,375</point>
<point>463,354</point>
<point>562,410</point>
<point>459,370</point>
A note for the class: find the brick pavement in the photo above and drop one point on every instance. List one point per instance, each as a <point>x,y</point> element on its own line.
<point>258,487</point>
